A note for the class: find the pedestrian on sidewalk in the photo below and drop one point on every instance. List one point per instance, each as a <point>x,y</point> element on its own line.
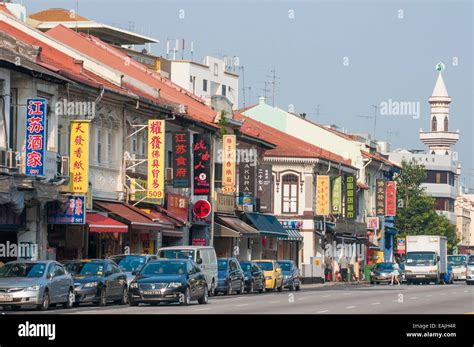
<point>343,263</point>
<point>395,273</point>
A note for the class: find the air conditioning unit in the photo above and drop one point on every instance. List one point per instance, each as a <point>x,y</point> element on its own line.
<point>8,159</point>
<point>168,175</point>
<point>64,169</point>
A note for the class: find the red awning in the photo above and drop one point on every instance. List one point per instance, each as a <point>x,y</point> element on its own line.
<point>132,215</point>
<point>162,218</point>
<point>99,223</point>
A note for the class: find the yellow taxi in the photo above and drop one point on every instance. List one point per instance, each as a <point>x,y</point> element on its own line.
<point>272,272</point>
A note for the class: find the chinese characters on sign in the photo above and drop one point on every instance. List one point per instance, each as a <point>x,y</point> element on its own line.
<point>391,199</point>
<point>264,187</point>
<point>73,213</point>
<point>228,163</point>
<point>79,164</point>
<point>156,158</point>
<point>380,197</point>
<point>177,206</point>
<point>202,209</point>
<point>322,195</point>
<point>351,197</point>
<point>35,136</point>
<point>182,161</point>
<point>336,192</point>
<point>373,223</point>
<point>202,164</point>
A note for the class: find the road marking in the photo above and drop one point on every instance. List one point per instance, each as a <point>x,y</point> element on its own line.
<point>326,296</point>
<point>375,303</point>
<point>202,309</point>
<point>429,295</point>
<point>241,305</point>
<point>349,307</point>
<point>465,291</point>
<point>302,298</point>
<point>414,298</point>
<point>323,311</point>
<point>274,302</point>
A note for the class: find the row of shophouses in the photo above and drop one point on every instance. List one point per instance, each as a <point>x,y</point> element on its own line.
<point>151,171</point>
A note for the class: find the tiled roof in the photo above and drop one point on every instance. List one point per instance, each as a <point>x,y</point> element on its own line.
<point>378,158</point>
<point>57,15</point>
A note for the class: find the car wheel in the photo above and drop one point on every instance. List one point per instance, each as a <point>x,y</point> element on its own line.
<point>213,291</point>
<point>132,302</point>
<point>186,297</point>
<point>103,297</point>
<point>275,285</point>
<point>229,289</point>
<point>251,288</point>
<point>280,288</point>
<point>70,299</point>
<point>45,304</point>
<point>205,297</point>
<point>241,290</point>
<point>292,287</point>
<point>298,287</point>
<point>263,289</point>
<point>124,299</point>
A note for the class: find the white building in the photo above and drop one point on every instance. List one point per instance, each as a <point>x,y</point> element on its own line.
<point>439,159</point>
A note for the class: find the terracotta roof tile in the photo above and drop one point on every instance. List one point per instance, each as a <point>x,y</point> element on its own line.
<point>57,15</point>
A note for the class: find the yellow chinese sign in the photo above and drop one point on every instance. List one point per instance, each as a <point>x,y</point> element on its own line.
<point>322,195</point>
<point>228,163</point>
<point>156,159</point>
<point>79,156</point>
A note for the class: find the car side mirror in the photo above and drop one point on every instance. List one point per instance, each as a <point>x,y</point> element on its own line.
<point>199,261</point>
<point>50,276</point>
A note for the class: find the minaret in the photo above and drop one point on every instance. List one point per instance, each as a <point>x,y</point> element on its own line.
<point>439,139</point>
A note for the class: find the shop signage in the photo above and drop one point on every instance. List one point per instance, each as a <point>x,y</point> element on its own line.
<point>202,164</point>
<point>156,159</point>
<point>401,246</point>
<point>391,199</point>
<point>177,206</point>
<point>182,160</point>
<point>264,187</point>
<point>336,195</point>
<point>36,110</point>
<point>291,224</point>
<point>247,171</point>
<point>380,197</point>
<point>322,195</point>
<point>202,209</point>
<point>225,203</point>
<point>79,162</point>
<point>228,162</point>
<point>139,192</point>
<point>74,212</point>
<point>198,241</point>
<point>373,223</point>
<point>351,197</point>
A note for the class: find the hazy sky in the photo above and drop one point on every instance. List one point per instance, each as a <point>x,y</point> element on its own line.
<point>334,59</point>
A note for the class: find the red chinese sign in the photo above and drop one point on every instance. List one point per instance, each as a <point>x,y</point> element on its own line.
<point>390,198</point>
<point>202,209</point>
<point>202,164</point>
<point>177,206</point>
<point>181,161</point>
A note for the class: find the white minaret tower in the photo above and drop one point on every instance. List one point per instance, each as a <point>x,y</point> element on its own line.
<point>439,139</point>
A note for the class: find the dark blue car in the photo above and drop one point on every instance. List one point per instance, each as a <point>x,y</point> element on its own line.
<point>230,276</point>
<point>253,276</point>
<point>291,274</point>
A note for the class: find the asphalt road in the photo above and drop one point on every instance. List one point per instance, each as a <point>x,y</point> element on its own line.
<point>314,299</point>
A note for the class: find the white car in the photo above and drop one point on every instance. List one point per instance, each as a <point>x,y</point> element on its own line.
<point>470,270</point>
<point>459,265</point>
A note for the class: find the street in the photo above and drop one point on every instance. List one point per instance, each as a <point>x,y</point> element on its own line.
<point>315,299</point>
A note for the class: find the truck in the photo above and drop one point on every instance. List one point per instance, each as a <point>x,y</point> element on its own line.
<point>426,259</point>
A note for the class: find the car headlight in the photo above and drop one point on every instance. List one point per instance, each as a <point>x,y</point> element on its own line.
<point>91,284</point>
<point>408,271</point>
<point>268,277</point>
<point>32,288</point>
<point>134,285</point>
<point>175,284</point>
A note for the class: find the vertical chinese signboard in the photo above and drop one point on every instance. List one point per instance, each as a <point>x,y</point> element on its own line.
<point>182,161</point>
<point>380,197</point>
<point>228,163</point>
<point>351,197</point>
<point>391,199</point>
<point>156,159</point>
<point>264,187</point>
<point>202,164</point>
<point>322,195</point>
<point>73,213</point>
<point>35,136</point>
<point>79,162</point>
<point>336,195</point>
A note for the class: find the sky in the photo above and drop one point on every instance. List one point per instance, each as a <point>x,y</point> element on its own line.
<point>333,60</point>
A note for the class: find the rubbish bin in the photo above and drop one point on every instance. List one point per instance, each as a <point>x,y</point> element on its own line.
<point>367,272</point>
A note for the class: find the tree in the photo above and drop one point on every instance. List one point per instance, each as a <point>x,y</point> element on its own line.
<point>416,214</point>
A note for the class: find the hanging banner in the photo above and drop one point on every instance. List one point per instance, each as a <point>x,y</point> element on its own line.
<point>380,197</point>
<point>322,195</point>
<point>351,197</point>
<point>79,156</point>
<point>264,187</point>
<point>202,164</point>
<point>35,137</point>
<point>228,163</point>
<point>391,199</point>
<point>156,159</point>
<point>336,195</point>
<point>182,161</point>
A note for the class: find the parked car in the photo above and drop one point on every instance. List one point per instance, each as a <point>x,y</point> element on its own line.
<point>470,270</point>
<point>291,275</point>
<point>38,283</point>
<point>131,264</point>
<point>459,266</point>
<point>273,274</point>
<point>204,256</point>
<point>98,281</point>
<point>230,276</point>
<point>253,276</point>
<point>381,273</point>
<point>167,280</point>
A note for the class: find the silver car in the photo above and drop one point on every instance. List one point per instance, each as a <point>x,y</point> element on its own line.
<point>35,283</point>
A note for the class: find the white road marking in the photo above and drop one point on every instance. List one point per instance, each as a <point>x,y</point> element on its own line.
<point>241,305</point>
<point>349,307</point>
<point>375,303</point>
<point>323,311</point>
<point>414,298</point>
<point>429,295</point>
<point>326,296</point>
<point>274,302</point>
<point>302,298</point>
<point>202,309</point>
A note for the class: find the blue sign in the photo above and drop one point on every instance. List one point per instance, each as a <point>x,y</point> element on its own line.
<point>36,110</point>
<point>74,212</point>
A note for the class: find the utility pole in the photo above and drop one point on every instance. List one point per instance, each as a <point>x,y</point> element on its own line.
<point>265,89</point>
<point>274,78</point>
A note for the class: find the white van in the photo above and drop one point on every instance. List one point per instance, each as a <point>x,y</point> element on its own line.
<point>204,256</point>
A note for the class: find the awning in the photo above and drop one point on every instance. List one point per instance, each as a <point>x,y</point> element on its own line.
<point>293,235</point>
<point>267,224</point>
<point>223,231</point>
<point>366,241</point>
<point>161,218</point>
<point>131,215</point>
<point>346,238</point>
<point>236,224</point>
<point>172,233</point>
<point>99,223</point>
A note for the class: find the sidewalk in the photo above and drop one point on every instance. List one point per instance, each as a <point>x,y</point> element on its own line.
<point>332,284</point>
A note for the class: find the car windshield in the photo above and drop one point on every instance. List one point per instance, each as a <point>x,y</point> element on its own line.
<point>164,268</point>
<point>222,265</point>
<point>470,261</point>
<point>130,263</point>
<point>384,267</point>
<point>30,270</point>
<point>246,267</point>
<point>285,266</point>
<point>456,260</point>
<point>265,265</point>
<point>420,259</point>
<point>177,254</point>
<point>86,268</point>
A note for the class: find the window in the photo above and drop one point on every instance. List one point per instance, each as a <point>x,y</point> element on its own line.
<point>115,269</point>
<point>232,265</point>
<point>204,85</point>
<point>190,78</point>
<point>290,194</point>
<point>109,146</point>
<point>98,141</point>
<point>434,124</point>
<point>446,123</point>
<point>58,270</point>
<point>223,90</point>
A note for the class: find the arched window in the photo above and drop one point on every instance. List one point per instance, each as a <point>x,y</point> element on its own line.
<point>290,194</point>
<point>446,123</point>
<point>434,124</point>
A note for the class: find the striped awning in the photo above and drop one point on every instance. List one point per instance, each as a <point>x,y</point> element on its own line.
<point>293,235</point>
